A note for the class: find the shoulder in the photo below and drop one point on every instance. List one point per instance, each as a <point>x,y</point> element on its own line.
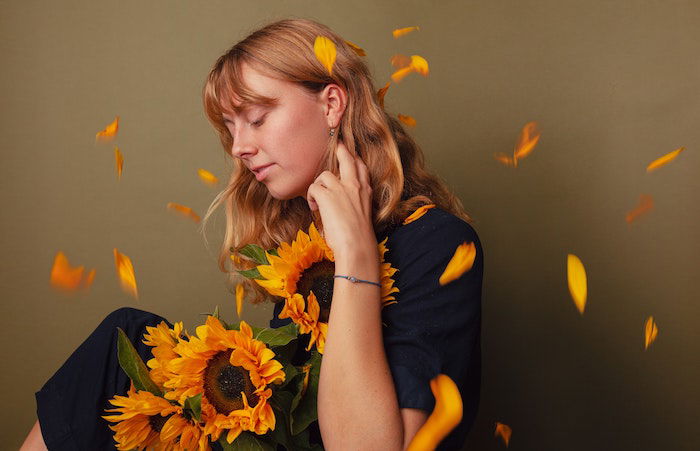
<point>434,235</point>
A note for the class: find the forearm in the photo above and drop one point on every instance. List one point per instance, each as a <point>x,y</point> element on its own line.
<point>357,405</point>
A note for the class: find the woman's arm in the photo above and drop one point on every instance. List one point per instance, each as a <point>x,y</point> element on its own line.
<point>357,404</point>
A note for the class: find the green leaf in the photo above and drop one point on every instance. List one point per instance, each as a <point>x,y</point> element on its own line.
<point>278,336</point>
<point>250,273</point>
<point>305,412</point>
<point>245,442</point>
<point>256,253</point>
<point>216,312</point>
<point>193,404</point>
<point>133,366</point>
<point>273,251</point>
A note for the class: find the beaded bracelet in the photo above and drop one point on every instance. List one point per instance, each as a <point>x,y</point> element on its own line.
<point>355,280</point>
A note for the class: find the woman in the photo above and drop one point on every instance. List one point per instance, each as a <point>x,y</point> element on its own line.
<point>309,145</point>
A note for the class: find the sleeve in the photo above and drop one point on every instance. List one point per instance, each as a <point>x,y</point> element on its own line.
<point>431,328</point>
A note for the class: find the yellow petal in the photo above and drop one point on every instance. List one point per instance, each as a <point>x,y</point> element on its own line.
<point>505,159</point>
<point>646,203</point>
<point>109,132</point>
<point>669,157</point>
<point>356,48</point>
<point>119,161</point>
<point>420,211</point>
<point>461,262</point>
<point>650,332</point>
<point>185,211</point>
<point>401,73</point>
<point>68,278</point>
<point>207,177</point>
<point>382,92</point>
<point>239,299</point>
<point>578,287</point>
<point>420,65</point>
<point>408,120</point>
<point>125,271</point>
<point>526,141</point>
<point>504,431</point>
<point>325,52</point>
<point>403,31</point>
<point>445,416</point>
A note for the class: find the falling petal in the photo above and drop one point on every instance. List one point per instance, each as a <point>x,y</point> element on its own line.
<point>420,211</point>
<point>207,177</point>
<point>646,203</point>
<point>650,332</point>
<point>239,299</point>
<point>359,50</point>
<point>669,157</point>
<point>403,31</point>
<point>446,415</point>
<point>125,271</point>
<point>461,262</point>
<point>505,159</point>
<point>504,431</point>
<point>408,120</point>
<point>399,75</point>
<point>577,281</point>
<point>419,64</point>
<point>527,140</point>
<point>185,211</point>
<point>65,277</point>
<point>382,92</point>
<point>109,131</point>
<point>119,161</point>
<point>325,52</point>
<point>400,61</point>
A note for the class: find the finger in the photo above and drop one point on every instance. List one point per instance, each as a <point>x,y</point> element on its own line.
<point>363,176</point>
<point>313,193</point>
<point>346,164</point>
<point>327,179</point>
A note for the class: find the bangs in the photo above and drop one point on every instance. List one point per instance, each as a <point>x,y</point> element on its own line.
<point>224,85</point>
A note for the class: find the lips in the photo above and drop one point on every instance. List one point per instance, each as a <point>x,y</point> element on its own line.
<point>257,168</point>
<point>261,171</point>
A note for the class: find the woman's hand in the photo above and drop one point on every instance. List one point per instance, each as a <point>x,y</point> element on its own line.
<point>345,205</point>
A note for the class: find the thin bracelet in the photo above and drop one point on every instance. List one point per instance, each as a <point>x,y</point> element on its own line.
<point>355,280</point>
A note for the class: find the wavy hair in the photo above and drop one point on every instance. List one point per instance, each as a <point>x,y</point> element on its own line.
<point>399,179</point>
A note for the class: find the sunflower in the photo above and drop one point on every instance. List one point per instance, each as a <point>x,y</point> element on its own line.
<point>303,275</point>
<point>141,416</point>
<point>163,339</point>
<point>232,370</point>
<point>184,434</point>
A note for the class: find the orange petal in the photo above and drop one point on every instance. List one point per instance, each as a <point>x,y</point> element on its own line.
<point>119,161</point>
<point>207,177</point>
<point>68,278</point>
<point>445,416</point>
<point>325,52</point>
<point>186,211</point>
<point>646,203</point>
<point>239,299</point>
<point>461,262</point>
<point>526,141</point>
<point>420,65</point>
<point>109,131</point>
<point>505,159</point>
<point>356,48</point>
<point>420,211</point>
<point>504,431</point>
<point>578,286</point>
<point>382,92</point>
<point>650,332</point>
<point>400,61</point>
<point>408,120</point>
<point>403,31</point>
<point>125,271</point>
<point>661,161</point>
<point>401,73</point>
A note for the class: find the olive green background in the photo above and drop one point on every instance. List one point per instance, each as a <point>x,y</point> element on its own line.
<point>613,85</point>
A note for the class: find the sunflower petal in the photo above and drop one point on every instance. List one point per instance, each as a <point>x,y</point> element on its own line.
<point>664,160</point>
<point>461,262</point>
<point>445,416</point>
<point>109,132</point>
<point>650,332</point>
<point>504,431</point>
<point>325,52</point>
<point>125,271</point>
<point>403,31</point>
<point>576,275</point>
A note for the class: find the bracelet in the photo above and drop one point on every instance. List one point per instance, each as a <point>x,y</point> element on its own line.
<point>355,280</point>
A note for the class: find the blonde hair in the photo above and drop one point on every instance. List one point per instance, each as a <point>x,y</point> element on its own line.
<point>400,182</point>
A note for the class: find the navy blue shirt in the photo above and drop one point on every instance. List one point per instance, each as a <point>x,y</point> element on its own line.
<point>431,329</point>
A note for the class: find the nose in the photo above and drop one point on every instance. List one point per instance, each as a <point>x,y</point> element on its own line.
<point>243,144</point>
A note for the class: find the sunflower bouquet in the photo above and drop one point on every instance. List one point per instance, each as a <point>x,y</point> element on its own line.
<point>234,383</point>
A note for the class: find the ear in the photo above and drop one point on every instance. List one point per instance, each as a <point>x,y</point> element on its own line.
<point>334,100</point>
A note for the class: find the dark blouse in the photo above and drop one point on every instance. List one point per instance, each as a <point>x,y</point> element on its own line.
<point>431,329</point>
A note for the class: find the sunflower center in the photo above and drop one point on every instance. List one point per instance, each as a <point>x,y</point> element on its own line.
<point>319,279</point>
<point>223,384</point>
<point>157,421</point>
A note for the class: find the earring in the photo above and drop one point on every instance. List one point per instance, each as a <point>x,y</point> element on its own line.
<point>332,131</point>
